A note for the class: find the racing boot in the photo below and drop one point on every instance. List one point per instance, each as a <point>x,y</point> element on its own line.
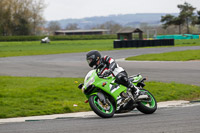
<point>134,89</point>
<point>137,93</point>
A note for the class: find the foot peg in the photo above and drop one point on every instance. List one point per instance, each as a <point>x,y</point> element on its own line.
<point>143,97</point>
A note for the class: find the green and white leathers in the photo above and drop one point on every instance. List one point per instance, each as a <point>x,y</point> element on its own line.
<point>106,97</point>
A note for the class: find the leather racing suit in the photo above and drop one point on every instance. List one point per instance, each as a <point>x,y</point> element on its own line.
<point>108,65</point>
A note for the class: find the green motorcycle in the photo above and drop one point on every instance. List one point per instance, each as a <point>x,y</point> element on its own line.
<point>106,97</point>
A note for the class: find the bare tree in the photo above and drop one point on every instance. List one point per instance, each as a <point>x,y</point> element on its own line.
<point>72,26</point>
<point>53,26</point>
<point>37,8</point>
<point>110,25</point>
<point>20,17</point>
<point>5,17</point>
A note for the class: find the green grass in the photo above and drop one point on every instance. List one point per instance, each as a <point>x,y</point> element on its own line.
<point>173,91</point>
<point>187,42</point>
<point>169,56</point>
<point>55,47</point>
<point>29,96</point>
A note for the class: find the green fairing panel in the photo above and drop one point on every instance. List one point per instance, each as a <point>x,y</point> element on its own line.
<point>114,92</point>
<point>138,78</point>
<point>107,88</point>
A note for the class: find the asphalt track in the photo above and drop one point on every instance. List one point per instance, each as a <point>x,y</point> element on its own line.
<point>167,120</point>
<point>75,65</point>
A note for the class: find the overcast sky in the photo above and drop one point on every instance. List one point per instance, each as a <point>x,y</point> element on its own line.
<point>62,9</point>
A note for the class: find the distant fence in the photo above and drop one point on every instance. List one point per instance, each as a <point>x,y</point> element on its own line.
<point>184,36</point>
<point>143,43</point>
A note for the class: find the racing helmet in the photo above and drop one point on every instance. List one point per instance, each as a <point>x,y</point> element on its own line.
<point>92,57</point>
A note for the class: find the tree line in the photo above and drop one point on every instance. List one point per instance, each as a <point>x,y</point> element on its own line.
<point>25,17</point>
<point>21,17</point>
<point>186,22</point>
<point>110,25</point>
<point>188,16</point>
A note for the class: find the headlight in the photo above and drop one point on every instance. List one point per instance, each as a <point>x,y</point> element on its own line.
<point>90,82</point>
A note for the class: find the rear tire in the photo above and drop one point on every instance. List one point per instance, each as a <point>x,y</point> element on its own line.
<point>148,107</point>
<point>106,111</point>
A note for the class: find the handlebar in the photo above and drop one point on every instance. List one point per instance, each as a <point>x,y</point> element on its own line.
<point>99,73</point>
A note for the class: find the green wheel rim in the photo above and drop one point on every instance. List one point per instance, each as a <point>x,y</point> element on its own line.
<point>152,103</point>
<point>101,108</point>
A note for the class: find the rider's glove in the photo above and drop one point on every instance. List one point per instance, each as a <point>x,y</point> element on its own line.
<point>80,86</point>
<point>107,73</point>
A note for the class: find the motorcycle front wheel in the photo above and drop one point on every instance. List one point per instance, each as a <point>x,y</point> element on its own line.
<point>104,111</point>
<point>149,106</point>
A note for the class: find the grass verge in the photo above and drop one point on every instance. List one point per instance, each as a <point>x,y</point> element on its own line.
<point>55,47</point>
<point>169,56</point>
<point>29,96</point>
<point>187,42</point>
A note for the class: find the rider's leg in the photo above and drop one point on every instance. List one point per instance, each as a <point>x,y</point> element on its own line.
<point>122,78</point>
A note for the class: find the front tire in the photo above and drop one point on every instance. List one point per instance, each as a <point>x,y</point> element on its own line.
<point>104,111</point>
<point>148,107</point>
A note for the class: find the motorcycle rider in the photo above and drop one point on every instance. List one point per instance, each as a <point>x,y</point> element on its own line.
<point>108,66</point>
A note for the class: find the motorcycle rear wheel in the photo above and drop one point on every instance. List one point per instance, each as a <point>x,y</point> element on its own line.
<point>147,107</point>
<point>104,111</point>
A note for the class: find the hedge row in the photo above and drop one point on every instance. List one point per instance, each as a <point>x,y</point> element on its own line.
<point>53,38</point>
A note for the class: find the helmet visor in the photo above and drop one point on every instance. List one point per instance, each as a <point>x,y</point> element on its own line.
<point>89,61</point>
